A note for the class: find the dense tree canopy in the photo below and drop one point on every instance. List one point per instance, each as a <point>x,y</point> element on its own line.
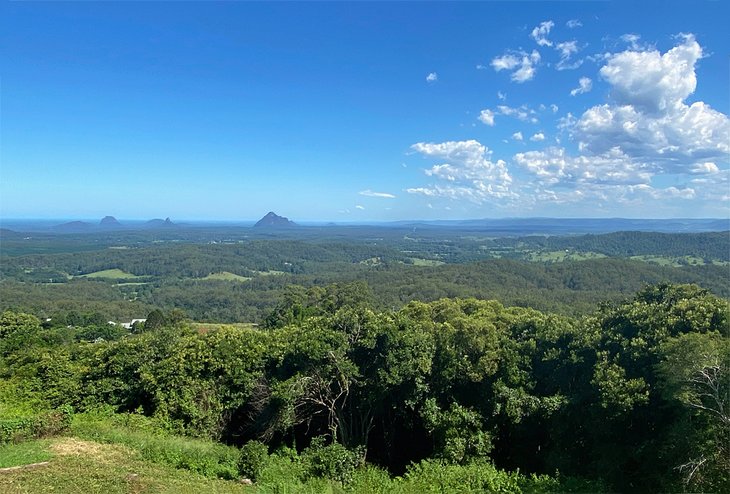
<point>636,394</point>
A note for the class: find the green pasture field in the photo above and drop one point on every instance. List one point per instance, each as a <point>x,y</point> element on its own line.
<point>561,256</point>
<point>112,274</point>
<point>417,261</point>
<point>676,262</point>
<point>225,276</point>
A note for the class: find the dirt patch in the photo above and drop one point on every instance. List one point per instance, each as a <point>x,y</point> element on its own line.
<point>103,453</point>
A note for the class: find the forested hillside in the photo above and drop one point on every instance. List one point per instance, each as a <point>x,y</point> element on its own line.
<point>240,280</point>
<point>711,245</point>
<point>571,287</point>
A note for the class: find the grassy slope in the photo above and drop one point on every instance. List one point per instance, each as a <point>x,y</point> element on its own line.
<point>12,455</point>
<point>86,466</point>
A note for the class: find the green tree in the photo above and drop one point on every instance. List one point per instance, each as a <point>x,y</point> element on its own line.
<point>155,320</point>
<point>695,372</point>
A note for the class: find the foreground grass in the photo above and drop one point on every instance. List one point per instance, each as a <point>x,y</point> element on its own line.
<point>103,451</point>
<point>77,466</point>
<point>146,438</point>
<point>12,455</point>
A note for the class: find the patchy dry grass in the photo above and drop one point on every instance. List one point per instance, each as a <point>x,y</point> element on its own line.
<point>103,453</point>
<point>78,466</point>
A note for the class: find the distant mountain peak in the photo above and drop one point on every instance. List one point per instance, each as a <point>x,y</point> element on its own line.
<point>158,223</point>
<point>274,220</point>
<point>109,221</point>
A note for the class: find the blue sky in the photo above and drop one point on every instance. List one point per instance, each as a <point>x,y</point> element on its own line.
<point>364,111</point>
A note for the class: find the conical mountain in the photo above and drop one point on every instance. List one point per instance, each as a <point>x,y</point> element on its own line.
<point>273,220</point>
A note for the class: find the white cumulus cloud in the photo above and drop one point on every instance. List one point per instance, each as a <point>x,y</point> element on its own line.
<point>522,113</point>
<point>554,165</point>
<point>585,84</point>
<point>651,81</point>
<point>645,134</point>
<point>517,136</point>
<point>706,168</point>
<point>432,77</point>
<point>505,62</point>
<point>522,65</point>
<point>487,117</point>
<point>466,172</point>
<point>537,137</point>
<point>648,118</point>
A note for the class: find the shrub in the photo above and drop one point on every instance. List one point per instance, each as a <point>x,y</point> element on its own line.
<point>254,458</point>
<point>437,476</point>
<point>45,424</point>
<point>332,461</point>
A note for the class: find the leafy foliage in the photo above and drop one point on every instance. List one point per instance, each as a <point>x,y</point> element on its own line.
<point>448,393</point>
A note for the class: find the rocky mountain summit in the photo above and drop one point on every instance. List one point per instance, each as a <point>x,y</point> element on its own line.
<point>273,220</point>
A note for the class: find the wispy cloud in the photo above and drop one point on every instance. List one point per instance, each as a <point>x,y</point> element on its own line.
<point>432,77</point>
<point>539,34</point>
<point>370,193</point>
<point>585,84</point>
<point>567,49</point>
<point>632,40</point>
<point>573,23</point>
<point>539,136</point>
